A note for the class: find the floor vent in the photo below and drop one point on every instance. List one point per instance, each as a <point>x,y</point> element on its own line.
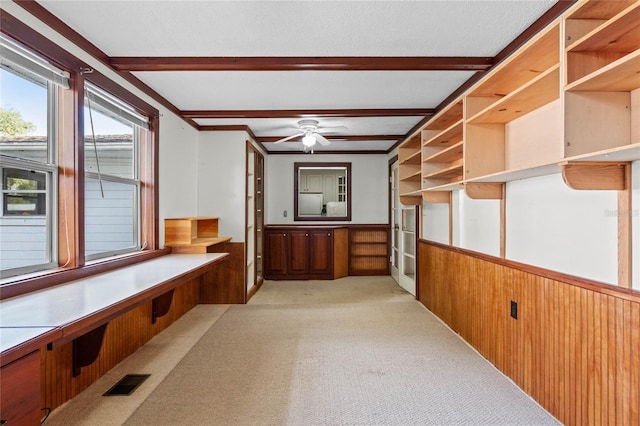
<point>127,385</point>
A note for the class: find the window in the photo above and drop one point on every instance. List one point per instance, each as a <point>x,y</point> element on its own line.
<point>27,159</point>
<point>112,133</point>
<point>69,207</point>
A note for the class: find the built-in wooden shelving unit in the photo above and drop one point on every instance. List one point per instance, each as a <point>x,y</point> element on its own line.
<point>369,250</point>
<point>410,171</point>
<point>570,94</point>
<point>443,149</point>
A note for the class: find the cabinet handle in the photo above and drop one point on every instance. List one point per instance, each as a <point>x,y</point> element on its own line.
<point>306,235</point>
<point>284,235</point>
<point>328,235</point>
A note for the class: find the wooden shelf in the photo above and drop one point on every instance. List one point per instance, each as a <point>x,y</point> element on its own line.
<point>448,137</point>
<point>604,34</point>
<point>619,33</point>
<point>537,56</point>
<point>413,158</point>
<point>415,193</point>
<point>452,172</point>
<point>618,76</point>
<point>445,119</point>
<point>443,146</point>
<point>538,92</point>
<point>415,176</point>
<point>451,186</point>
<point>192,234</point>
<point>369,250</point>
<point>448,155</point>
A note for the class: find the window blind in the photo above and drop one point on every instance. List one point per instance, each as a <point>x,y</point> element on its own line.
<point>21,61</point>
<point>113,107</point>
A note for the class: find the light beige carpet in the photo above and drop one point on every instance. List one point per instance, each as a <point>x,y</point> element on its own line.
<point>335,364</point>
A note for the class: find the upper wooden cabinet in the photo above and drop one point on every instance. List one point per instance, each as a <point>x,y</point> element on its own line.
<point>570,94</point>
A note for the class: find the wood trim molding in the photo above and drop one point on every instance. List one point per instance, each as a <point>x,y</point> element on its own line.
<point>612,290</point>
<point>351,138</point>
<point>301,113</point>
<point>625,245</point>
<point>350,152</point>
<point>305,63</point>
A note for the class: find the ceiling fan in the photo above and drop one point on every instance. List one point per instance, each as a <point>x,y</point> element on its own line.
<point>312,133</point>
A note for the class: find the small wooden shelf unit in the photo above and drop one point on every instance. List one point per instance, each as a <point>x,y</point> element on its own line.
<point>192,234</point>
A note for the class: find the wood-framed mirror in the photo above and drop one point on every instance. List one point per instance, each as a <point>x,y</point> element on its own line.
<point>322,191</point>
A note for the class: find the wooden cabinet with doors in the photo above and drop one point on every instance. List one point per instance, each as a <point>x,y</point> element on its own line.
<point>300,253</point>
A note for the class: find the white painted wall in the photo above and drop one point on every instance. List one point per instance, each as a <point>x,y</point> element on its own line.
<point>178,180</point>
<point>478,224</point>
<point>369,190</point>
<point>556,227</point>
<point>435,222</point>
<point>547,225</point>
<point>222,179</point>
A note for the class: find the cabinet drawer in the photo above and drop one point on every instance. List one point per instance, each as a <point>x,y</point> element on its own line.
<point>20,391</point>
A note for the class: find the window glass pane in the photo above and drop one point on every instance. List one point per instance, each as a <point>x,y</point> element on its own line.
<point>24,192</point>
<point>24,239</point>
<point>23,118</point>
<point>113,152</point>
<point>110,224</point>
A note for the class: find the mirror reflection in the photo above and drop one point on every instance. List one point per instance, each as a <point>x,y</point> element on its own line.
<point>322,191</point>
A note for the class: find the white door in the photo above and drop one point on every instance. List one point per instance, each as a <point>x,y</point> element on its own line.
<point>395,224</point>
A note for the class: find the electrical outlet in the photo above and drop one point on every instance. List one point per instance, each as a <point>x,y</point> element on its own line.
<point>514,310</point>
<point>284,213</point>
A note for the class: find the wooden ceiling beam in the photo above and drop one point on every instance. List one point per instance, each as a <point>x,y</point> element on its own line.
<point>296,113</point>
<point>351,138</point>
<point>305,63</point>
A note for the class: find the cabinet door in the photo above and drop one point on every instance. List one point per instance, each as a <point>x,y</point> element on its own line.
<point>298,261</point>
<point>314,183</point>
<point>321,252</point>
<point>20,391</point>
<point>275,253</point>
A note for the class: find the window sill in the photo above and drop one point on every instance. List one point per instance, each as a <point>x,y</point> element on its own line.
<point>22,284</point>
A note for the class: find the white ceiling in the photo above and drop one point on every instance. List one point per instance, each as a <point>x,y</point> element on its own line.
<point>137,28</point>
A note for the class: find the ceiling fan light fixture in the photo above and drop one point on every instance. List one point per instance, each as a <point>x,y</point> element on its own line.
<point>308,140</point>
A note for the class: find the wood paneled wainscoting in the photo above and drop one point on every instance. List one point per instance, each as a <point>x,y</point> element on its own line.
<point>123,336</point>
<point>574,347</point>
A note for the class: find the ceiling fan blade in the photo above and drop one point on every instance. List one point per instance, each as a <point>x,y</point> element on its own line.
<point>321,139</point>
<point>335,129</point>
<point>289,138</point>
